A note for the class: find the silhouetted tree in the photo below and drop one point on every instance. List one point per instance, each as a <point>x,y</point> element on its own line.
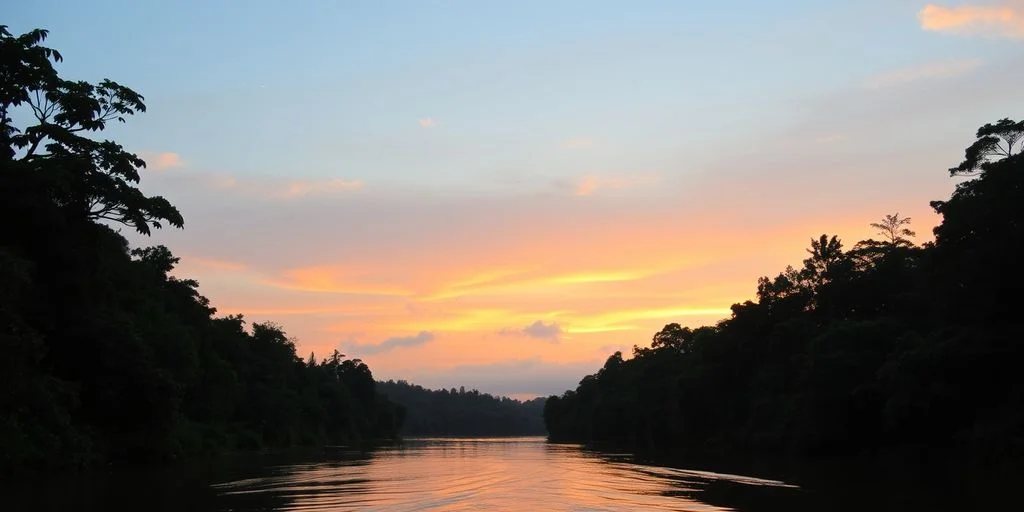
<point>463,413</point>
<point>890,344</point>
<point>106,357</point>
<point>89,178</point>
<point>995,141</point>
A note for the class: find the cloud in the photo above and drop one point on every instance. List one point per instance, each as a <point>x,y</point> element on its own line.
<point>275,188</point>
<point>162,161</point>
<point>427,122</point>
<point>332,279</point>
<point>589,184</point>
<point>630,319</point>
<point>586,186</point>
<point>504,282</point>
<point>538,330</point>
<point>934,70</point>
<point>578,143</point>
<point>984,20</point>
<point>390,344</point>
<point>304,188</point>
<point>222,181</point>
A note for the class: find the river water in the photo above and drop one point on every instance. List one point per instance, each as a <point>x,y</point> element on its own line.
<point>495,474</point>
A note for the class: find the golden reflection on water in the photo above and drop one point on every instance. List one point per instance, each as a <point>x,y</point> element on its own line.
<point>476,474</point>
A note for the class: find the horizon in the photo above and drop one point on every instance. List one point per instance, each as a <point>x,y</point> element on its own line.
<point>504,215</point>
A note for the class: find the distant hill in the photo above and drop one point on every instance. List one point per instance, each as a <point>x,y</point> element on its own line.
<point>460,412</point>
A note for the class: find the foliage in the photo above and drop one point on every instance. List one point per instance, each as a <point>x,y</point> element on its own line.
<point>86,178</point>
<point>888,344</point>
<point>458,412</point>
<point>107,356</point>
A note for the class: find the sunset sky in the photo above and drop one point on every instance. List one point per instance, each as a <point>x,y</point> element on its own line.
<point>500,194</point>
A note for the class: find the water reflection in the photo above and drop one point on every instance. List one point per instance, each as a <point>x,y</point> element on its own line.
<point>510,474</point>
<point>481,474</point>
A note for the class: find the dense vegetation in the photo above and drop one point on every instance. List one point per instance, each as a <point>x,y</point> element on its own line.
<point>458,412</point>
<point>106,357</point>
<point>886,344</point>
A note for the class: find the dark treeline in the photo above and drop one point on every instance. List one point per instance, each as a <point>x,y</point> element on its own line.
<point>105,356</point>
<point>458,412</point>
<point>880,345</point>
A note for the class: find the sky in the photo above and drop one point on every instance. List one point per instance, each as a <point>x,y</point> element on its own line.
<point>498,195</point>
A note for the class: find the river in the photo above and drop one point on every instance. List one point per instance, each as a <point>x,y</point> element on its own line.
<point>494,474</point>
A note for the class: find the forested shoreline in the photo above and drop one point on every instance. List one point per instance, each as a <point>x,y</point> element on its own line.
<point>107,357</point>
<point>881,345</point>
<point>458,412</point>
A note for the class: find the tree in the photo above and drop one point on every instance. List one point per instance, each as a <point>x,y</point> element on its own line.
<point>673,336</point>
<point>895,236</point>
<point>826,254</point>
<point>892,228</point>
<point>87,178</point>
<point>995,141</point>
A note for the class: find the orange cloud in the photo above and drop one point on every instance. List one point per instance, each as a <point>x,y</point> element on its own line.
<point>427,122</point>
<point>927,71</point>
<point>987,20</point>
<point>506,283</point>
<point>333,280</point>
<point>630,319</point>
<point>162,161</point>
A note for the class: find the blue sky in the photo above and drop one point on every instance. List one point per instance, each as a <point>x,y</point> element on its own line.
<point>345,83</point>
<point>441,172</point>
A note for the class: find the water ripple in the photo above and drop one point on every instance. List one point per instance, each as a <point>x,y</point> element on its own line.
<point>476,474</point>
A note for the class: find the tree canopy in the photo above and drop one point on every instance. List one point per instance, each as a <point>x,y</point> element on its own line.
<point>107,356</point>
<point>52,152</point>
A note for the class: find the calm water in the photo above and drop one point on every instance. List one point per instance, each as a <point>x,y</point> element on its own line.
<point>496,474</point>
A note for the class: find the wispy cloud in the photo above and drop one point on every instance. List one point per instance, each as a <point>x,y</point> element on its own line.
<point>303,188</point>
<point>538,330</point>
<point>627,319</point>
<point>427,122</point>
<point>422,338</point>
<point>504,282</point>
<point>984,20</point>
<point>933,70</point>
<point>161,161</point>
<point>587,186</point>
<point>329,279</point>
<point>260,187</point>
<point>591,183</point>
